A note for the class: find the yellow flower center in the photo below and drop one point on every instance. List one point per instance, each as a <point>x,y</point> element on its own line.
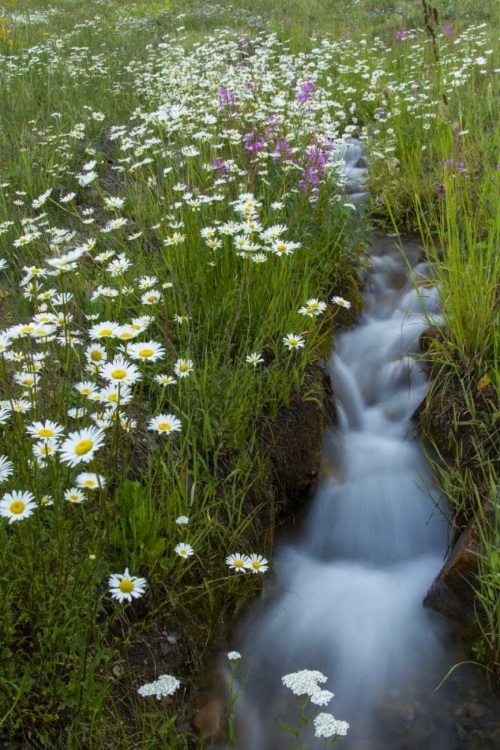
<point>17,507</point>
<point>118,374</point>
<point>293,342</point>
<point>113,397</point>
<point>29,381</point>
<point>184,367</point>
<point>45,500</point>
<point>89,483</point>
<point>96,356</point>
<point>165,426</point>
<point>105,332</point>
<point>125,335</point>
<point>126,586</point>
<point>239,564</point>
<point>146,352</point>
<point>74,498</point>
<point>83,447</point>
<point>27,329</point>
<point>256,564</point>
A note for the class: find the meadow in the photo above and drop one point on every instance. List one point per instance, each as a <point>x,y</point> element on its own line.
<point>176,251</point>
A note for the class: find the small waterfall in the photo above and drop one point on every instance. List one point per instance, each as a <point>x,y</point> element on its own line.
<point>346,597</point>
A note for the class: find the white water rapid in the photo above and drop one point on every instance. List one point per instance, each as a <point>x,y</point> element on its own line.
<point>346,597</point>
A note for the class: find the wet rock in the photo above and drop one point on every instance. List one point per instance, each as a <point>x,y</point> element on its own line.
<point>453,591</point>
<point>476,710</point>
<point>295,439</point>
<point>209,722</point>
<point>397,717</point>
<point>477,741</point>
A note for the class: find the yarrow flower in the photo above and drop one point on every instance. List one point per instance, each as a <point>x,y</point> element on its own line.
<point>304,682</point>
<point>123,586</point>
<point>234,655</point>
<point>325,725</point>
<point>182,520</point>
<point>165,685</point>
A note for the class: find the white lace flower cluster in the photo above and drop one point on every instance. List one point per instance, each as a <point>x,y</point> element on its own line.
<point>307,682</point>
<point>325,725</point>
<point>304,682</point>
<point>165,685</point>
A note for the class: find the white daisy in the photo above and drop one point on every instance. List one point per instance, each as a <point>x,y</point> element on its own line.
<point>341,302</point>
<point>165,423</point>
<point>183,367</point>
<point>256,563</point>
<point>149,350</point>
<point>184,550</point>
<point>238,562</point>
<point>45,430</point>
<point>123,586</point>
<point>293,341</point>
<point>6,468</point>
<point>17,505</point>
<point>74,495</point>
<point>80,447</point>
<point>120,371</point>
<point>88,481</point>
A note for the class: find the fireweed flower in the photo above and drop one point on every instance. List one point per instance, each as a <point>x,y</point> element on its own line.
<point>293,341</point>
<point>123,586</point>
<point>80,447</point>
<point>17,505</point>
<point>165,423</point>
<point>238,562</point>
<point>165,685</point>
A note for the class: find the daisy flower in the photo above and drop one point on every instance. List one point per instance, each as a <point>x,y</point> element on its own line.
<point>80,446</point>
<point>313,307</point>
<point>184,550</point>
<point>17,505</point>
<point>165,380</point>
<point>341,302</point>
<point>165,423</point>
<point>123,586</point>
<point>45,430</point>
<point>293,341</point>
<point>88,481</point>
<point>6,468</point>
<point>183,367</point>
<point>149,350</point>
<point>238,562</point>
<point>255,359</point>
<point>74,495</point>
<point>96,353</point>
<point>107,329</point>
<point>256,563</point>
<point>45,448</point>
<point>151,298</point>
<point>120,371</point>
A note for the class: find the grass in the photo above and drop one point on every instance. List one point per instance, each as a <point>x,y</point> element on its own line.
<point>164,106</point>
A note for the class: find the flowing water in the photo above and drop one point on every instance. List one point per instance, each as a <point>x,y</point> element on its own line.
<point>346,597</point>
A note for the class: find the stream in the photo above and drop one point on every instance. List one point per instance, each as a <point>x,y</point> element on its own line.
<point>346,595</point>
